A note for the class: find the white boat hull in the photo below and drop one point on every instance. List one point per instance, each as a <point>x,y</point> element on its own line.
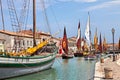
<point>12,72</point>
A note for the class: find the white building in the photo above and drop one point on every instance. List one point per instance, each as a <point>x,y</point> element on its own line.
<point>20,40</point>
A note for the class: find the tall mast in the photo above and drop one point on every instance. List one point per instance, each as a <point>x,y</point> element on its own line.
<point>34,23</point>
<point>2,14</point>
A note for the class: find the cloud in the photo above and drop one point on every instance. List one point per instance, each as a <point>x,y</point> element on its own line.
<point>46,3</point>
<point>85,0</point>
<point>76,0</point>
<point>104,5</point>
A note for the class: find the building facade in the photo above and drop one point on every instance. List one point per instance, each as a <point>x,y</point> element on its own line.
<point>11,41</point>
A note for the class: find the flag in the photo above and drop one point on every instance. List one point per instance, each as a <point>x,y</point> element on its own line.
<point>87,31</point>
<point>65,42</point>
<point>78,41</point>
<point>100,44</point>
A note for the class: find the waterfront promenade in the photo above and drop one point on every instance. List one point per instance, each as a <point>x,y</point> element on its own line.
<point>108,62</point>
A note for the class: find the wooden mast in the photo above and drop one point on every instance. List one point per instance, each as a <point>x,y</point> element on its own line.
<point>34,23</point>
<point>2,14</point>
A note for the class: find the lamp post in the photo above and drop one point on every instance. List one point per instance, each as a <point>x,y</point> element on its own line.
<point>113,31</point>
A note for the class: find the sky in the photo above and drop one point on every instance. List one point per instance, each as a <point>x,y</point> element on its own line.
<point>57,14</point>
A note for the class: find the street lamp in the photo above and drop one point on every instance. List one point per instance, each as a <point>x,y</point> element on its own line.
<point>113,31</point>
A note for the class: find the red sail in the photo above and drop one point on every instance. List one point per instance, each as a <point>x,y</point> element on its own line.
<point>79,38</point>
<point>65,42</point>
<point>119,44</point>
<point>100,44</point>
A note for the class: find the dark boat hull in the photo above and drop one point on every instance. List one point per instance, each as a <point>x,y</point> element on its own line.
<point>78,54</point>
<point>64,56</point>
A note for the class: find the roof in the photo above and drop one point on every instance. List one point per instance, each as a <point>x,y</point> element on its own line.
<point>24,33</point>
<point>15,34</point>
<point>30,32</point>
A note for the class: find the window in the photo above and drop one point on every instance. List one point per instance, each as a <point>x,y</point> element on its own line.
<point>27,43</point>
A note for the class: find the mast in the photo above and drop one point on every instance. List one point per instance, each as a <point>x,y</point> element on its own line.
<point>34,23</point>
<point>2,14</point>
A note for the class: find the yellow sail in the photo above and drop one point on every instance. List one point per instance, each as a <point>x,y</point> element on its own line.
<point>104,45</point>
<point>30,51</point>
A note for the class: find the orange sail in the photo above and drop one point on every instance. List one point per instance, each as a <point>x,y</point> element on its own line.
<point>96,41</point>
<point>65,42</point>
<point>78,41</point>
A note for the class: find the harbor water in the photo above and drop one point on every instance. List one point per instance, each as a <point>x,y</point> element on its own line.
<point>64,69</point>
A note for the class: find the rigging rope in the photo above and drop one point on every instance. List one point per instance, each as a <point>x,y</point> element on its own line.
<point>45,15</point>
<point>23,14</point>
<point>13,15</point>
<point>59,30</point>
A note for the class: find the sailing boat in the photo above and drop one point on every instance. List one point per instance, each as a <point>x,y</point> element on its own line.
<point>100,45</point>
<point>89,55</point>
<point>78,53</point>
<point>104,45</point>
<point>27,61</point>
<point>66,54</point>
<point>96,42</point>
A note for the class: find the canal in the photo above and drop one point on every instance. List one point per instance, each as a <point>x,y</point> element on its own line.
<point>71,69</point>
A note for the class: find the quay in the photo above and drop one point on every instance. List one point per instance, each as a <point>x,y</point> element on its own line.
<point>109,63</point>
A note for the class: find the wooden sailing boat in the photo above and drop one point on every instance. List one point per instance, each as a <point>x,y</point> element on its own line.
<point>104,45</point>
<point>66,54</point>
<point>78,53</point>
<point>100,45</point>
<point>96,43</point>
<point>15,64</point>
<point>89,55</point>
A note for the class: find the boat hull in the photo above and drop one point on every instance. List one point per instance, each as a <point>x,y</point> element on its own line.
<point>78,54</point>
<point>90,57</point>
<point>12,67</point>
<point>65,56</point>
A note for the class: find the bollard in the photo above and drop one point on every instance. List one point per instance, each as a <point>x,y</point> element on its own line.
<point>108,73</point>
<point>102,60</point>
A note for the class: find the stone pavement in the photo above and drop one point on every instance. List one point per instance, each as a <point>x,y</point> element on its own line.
<point>115,66</point>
